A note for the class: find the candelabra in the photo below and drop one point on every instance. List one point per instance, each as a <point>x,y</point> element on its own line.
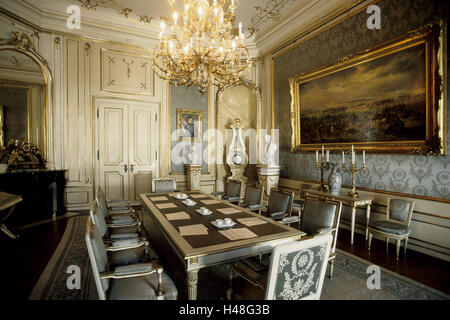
<point>354,170</point>
<point>323,166</point>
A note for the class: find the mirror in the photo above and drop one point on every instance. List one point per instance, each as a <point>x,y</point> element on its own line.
<point>23,97</point>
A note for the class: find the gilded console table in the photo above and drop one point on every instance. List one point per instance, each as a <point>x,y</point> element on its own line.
<point>188,254</point>
<point>346,200</point>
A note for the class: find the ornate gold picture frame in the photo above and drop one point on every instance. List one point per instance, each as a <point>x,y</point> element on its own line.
<point>189,124</point>
<point>385,99</point>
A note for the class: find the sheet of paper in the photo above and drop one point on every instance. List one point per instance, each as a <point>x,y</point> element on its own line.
<point>238,234</point>
<point>198,196</point>
<point>158,199</point>
<point>249,222</point>
<point>193,230</point>
<point>177,216</point>
<point>166,205</point>
<point>228,210</point>
<point>210,201</point>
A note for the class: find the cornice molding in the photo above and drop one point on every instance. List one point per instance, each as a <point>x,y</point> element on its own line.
<point>311,21</point>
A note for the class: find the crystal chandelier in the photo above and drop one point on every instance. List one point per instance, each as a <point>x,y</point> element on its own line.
<point>200,47</point>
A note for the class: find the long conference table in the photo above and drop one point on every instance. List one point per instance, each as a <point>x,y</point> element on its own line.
<point>179,230</point>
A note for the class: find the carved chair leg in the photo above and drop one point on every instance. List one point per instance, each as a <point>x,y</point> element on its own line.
<point>370,240</point>
<point>387,243</point>
<point>159,292</point>
<point>331,268</point>
<point>405,245</point>
<point>230,282</point>
<point>398,242</point>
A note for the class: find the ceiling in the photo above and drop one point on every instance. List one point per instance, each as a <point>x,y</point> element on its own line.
<point>257,16</point>
<point>266,23</point>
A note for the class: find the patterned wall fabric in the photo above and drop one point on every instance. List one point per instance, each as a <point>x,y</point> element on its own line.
<point>411,174</point>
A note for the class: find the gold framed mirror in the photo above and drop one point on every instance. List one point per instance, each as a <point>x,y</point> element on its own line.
<point>25,94</point>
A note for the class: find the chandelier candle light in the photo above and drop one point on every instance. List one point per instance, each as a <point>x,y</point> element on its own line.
<point>354,170</point>
<point>200,47</point>
<point>323,166</point>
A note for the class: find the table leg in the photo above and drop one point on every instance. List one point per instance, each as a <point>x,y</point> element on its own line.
<point>353,223</point>
<point>8,233</point>
<point>367,221</point>
<point>192,279</point>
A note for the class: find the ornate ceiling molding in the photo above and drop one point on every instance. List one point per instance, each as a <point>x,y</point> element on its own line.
<point>270,12</point>
<point>92,5</point>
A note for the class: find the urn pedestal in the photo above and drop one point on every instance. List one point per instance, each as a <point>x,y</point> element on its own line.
<point>194,174</point>
<point>268,176</point>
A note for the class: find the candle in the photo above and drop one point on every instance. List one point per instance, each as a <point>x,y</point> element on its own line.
<point>323,152</point>
<point>343,158</point>
<point>328,155</point>
<point>353,154</point>
<point>317,156</point>
<point>364,156</point>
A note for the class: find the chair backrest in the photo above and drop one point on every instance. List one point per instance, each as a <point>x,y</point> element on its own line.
<point>98,257</point>
<point>400,210</point>
<point>233,188</point>
<point>97,214</point>
<point>321,215</point>
<point>304,187</point>
<point>100,193</point>
<point>303,262</point>
<point>101,200</point>
<point>280,201</point>
<point>253,195</point>
<point>164,185</point>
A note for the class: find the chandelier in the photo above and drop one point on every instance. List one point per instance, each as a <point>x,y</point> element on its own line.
<point>200,47</point>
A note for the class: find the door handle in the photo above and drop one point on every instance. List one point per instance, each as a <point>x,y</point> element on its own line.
<point>125,168</point>
<point>132,167</point>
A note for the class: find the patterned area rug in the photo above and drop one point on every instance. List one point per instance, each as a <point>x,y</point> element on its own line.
<point>71,251</point>
<point>348,283</point>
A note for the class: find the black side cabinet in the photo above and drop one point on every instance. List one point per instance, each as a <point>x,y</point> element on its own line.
<point>42,192</point>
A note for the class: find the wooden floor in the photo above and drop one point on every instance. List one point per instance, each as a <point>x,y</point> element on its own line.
<point>24,259</point>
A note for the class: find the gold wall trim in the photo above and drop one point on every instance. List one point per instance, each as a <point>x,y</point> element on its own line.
<point>392,193</point>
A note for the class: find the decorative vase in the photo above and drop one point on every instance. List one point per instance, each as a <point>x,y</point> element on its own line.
<point>334,179</point>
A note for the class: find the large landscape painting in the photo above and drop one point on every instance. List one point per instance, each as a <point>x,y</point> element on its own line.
<point>379,100</point>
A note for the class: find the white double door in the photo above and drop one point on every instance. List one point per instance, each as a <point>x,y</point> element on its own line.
<point>127,141</point>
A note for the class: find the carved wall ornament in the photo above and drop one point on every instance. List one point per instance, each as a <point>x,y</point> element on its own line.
<point>21,41</point>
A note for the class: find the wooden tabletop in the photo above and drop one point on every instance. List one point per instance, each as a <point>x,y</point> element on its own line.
<point>7,200</point>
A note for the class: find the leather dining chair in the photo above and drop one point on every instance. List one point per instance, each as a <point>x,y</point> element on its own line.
<point>232,191</point>
<point>397,223</point>
<point>321,216</point>
<point>253,198</point>
<point>279,206</point>
<point>138,281</point>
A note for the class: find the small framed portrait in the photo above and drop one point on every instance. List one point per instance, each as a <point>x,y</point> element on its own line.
<point>189,124</point>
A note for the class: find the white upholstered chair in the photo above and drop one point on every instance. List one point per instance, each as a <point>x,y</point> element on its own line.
<point>303,261</point>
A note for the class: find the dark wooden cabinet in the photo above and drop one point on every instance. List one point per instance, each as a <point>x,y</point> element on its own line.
<point>42,192</point>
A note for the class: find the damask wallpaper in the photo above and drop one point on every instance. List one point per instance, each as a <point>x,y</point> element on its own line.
<point>410,174</point>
